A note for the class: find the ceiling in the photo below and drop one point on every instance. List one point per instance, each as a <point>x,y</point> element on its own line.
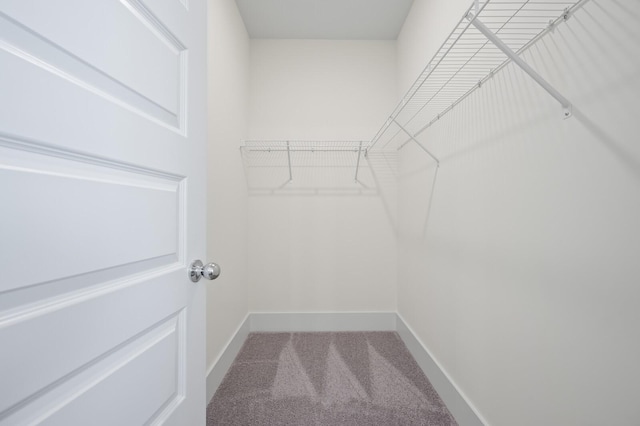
<point>324,19</point>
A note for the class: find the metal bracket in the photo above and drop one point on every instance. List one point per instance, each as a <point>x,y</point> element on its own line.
<point>416,141</point>
<point>566,105</point>
<point>289,158</point>
<point>358,161</point>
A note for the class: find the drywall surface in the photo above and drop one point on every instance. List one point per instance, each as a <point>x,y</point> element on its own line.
<point>521,276</point>
<point>228,63</point>
<point>425,29</point>
<point>335,250</point>
<point>320,89</point>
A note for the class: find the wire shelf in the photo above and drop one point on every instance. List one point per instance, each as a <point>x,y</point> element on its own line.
<point>468,58</point>
<point>307,167</point>
<point>491,34</point>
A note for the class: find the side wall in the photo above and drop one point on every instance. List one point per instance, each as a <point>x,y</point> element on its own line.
<point>227,194</point>
<point>320,253</point>
<point>521,277</point>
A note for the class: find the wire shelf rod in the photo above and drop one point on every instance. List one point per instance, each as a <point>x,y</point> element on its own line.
<point>463,65</point>
<point>469,57</point>
<point>566,13</point>
<point>301,150</point>
<point>446,45</point>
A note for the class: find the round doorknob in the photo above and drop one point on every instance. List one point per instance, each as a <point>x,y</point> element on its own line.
<point>197,270</point>
<point>211,271</point>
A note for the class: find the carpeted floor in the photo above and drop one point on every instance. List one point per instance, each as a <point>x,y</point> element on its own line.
<point>354,378</point>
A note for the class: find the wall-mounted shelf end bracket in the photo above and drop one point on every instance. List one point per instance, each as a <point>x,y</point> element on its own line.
<point>289,160</point>
<point>358,161</point>
<point>479,25</point>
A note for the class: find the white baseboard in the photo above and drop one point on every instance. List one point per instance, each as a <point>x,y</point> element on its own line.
<point>323,321</point>
<point>463,411</point>
<point>220,367</point>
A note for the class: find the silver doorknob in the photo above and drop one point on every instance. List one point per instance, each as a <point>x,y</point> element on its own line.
<point>197,270</point>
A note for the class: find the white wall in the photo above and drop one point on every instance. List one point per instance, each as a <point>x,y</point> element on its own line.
<point>320,253</point>
<point>523,282</point>
<point>320,89</point>
<point>227,299</point>
<point>427,26</point>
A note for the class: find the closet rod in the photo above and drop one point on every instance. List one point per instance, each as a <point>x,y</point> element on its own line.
<point>312,150</point>
<point>566,105</point>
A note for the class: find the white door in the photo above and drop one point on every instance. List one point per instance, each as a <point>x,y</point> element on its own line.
<point>102,147</point>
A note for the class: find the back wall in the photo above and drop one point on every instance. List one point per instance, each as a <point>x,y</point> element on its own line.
<point>331,251</point>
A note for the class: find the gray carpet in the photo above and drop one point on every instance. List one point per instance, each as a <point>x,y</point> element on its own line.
<point>354,378</point>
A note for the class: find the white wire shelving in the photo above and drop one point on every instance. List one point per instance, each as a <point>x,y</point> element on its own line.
<point>307,167</point>
<point>490,35</point>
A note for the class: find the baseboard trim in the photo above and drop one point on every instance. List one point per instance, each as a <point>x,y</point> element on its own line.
<point>323,321</point>
<point>455,400</point>
<point>220,366</point>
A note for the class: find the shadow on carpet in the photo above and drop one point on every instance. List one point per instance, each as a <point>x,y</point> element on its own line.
<point>348,378</point>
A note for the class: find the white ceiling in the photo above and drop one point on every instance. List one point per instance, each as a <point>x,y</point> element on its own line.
<point>324,19</point>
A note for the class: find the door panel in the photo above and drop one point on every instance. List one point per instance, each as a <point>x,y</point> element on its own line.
<point>80,397</point>
<point>89,207</point>
<point>140,66</point>
<point>92,323</point>
<point>130,371</point>
<point>102,142</point>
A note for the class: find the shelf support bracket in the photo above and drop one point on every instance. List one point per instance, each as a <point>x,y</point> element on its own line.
<point>289,159</point>
<point>358,161</point>
<point>566,105</point>
<point>416,141</point>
